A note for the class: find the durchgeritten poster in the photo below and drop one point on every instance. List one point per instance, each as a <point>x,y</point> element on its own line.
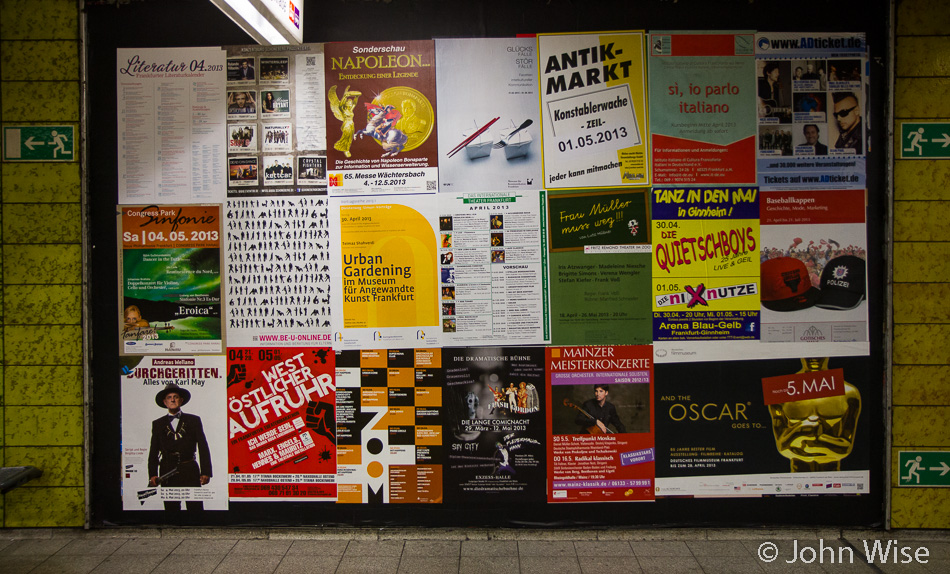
<point>490,130</point>
<point>281,423</point>
<point>385,277</point>
<point>170,274</point>
<point>381,111</point>
<point>593,110</point>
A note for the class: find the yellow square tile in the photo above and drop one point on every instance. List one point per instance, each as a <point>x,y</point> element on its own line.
<point>44,507</point>
<point>920,427</point>
<point>61,466</point>
<point>42,304</point>
<point>921,220</point>
<point>35,183</point>
<point>40,101</point>
<point>917,179</point>
<point>42,426</point>
<point>923,56</point>
<point>42,264</point>
<point>920,507</point>
<point>39,20</point>
<point>50,60</point>
<point>43,344</point>
<point>921,97</point>
<point>43,385</point>
<point>914,303</point>
<point>42,223</point>
<point>912,385</point>
<point>921,262</point>
<point>921,345</point>
<point>922,17</point>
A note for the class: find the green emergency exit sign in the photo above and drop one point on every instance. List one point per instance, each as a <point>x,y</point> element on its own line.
<point>39,143</point>
<point>924,468</point>
<point>924,140</point>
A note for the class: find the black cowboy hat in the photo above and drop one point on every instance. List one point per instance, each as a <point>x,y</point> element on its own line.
<point>172,388</point>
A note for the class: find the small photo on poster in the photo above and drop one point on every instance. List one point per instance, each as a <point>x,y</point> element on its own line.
<point>278,170</point>
<point>809,75</point>
<point>775,91</point>
<point>275,104</point>
<point>243,138</point>
<point>277,137</point>
<point>312,170</point>
<point>241,70</point>
<point>846,126</point>
<point>811,139</point>
<point>775,140</point>
<point>275,69</point>
<point>242,171</point>
<point>242,105</point>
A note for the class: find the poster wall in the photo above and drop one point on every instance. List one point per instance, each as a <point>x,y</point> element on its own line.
<point>171,128</point>
<point>601,424</point>
<point>174,463</point>
<point>594,110</point>
<point>490,87</point>
<point>700,97</point>
<point>170,278</point>
<point>390,439</point>
<point>281,405</point>
<point>383,99</point>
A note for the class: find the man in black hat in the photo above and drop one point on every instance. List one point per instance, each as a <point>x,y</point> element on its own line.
<point>175,439</point>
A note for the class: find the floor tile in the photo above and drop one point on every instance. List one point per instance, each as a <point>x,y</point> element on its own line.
<point>550,565</point>
<point>432,548</point>
<point>717,548</point>
<point>729,564</point>
<point>304,563</point>
<point>668,564</point>
<point>428,565</point>
<point>489,548</point>
<point>89,546</point>
<point>246,564</point>
<point>489,565</point>
<point>196,564</point>
<point>603,548</point>
<point>68,565</point>
<point>363,548</point>
<point>660,548</point>
<point>609,564</point>
<point>546,548</point>
<point>204,547</point>
<point>261,548</point>
<point>138,546</point>
<point>317,548</point>
<point>41,548</point>
<point>19,564</point>
<point>368,564</point>
<point>128,564</point>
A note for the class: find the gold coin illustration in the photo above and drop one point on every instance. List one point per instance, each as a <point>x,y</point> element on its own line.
<point>418,118</point>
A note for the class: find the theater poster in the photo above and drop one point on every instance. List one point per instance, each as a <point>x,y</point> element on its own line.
<point>812,109</point>
<point>705,264</point>
<point>700,97</point>
<point>381,112</point>
<point>600,424</point>
<point>594,110</point>
<point>600,266</point>
<point>779,427</point>
<point>170,279</point>
<point>386,271</point>
<point>389,426</point>
<point>201,429</point>
<point>281,405</point>
<point>489,128</point>
<point>494,424</point>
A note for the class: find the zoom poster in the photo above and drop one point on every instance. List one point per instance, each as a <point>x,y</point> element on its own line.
<point>495,439</point>
<point>600,267</point>
<point>700,97</point>
<point>174,453</point>
<point>705,263</point>
<point>381,112</point>
<point>601,424</point>
<point>763,428</point>
<point>170,279</point>
<point>281,423</point>
<point>386,277</point>
<point>594,110</point>
<point>390,426</point>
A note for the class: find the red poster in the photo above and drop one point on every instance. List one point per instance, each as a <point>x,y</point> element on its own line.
<point>281,424</point>
<point>601,424</point>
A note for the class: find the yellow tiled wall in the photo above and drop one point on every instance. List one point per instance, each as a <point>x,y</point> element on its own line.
<point>921,385</point>
<point>41,392</point>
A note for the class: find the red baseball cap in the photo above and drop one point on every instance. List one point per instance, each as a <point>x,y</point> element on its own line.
<point>786,285</point>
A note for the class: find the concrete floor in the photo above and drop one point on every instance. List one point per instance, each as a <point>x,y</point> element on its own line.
<point>468,551</point>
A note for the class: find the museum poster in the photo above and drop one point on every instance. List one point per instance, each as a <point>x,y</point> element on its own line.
<point>174,463</point>
<point>594,110</point>
<point>600,424</point>
<point>700,97</point>
<point>494,424</point>
<point>381,112</point>
<point>389,426</point>
<point>779,427</point>
<point>281,407</point>
<point>170,279</point>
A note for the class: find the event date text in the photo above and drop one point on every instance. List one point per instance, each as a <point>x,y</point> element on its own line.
<point>592,139</point>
